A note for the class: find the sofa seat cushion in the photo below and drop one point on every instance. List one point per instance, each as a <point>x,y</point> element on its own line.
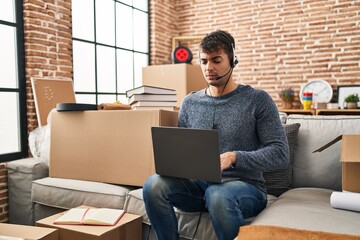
<point>188,221</point>
<point>309,209</point>
<point>68,193</point>
<point>323,169</point>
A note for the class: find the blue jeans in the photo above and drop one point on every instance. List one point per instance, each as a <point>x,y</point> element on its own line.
<point>228,204</point>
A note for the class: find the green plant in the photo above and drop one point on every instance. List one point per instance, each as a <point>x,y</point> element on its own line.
<point>287,94</point>
<point>352,98</point>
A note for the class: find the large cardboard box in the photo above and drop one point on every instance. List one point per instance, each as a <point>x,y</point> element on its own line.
<point>128,228</point>
<point>184,78</point>
<point>28,232</point>
<point>350,161</point>
<point>112,146</point>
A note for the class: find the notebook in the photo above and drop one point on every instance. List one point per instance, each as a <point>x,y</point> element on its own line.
<point>187,153</point>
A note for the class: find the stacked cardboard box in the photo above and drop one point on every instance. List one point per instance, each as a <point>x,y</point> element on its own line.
<point>184,78</point>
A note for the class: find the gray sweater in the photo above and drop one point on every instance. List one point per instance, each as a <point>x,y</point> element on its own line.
<point>248,123</point>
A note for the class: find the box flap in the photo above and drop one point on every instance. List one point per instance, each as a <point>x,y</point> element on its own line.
<point>338,138</point>
<point>350,151</point>
<point>28,232</point>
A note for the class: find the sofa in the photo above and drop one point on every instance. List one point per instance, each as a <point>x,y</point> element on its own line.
<point>298,197</point>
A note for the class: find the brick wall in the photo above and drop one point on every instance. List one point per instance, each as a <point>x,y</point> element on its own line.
<point>48,45</point>
<point>3,194</point>
<point>278,43</point>
<point>163,23</point>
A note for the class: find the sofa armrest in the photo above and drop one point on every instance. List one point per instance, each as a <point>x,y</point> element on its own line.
<point>21,173</point>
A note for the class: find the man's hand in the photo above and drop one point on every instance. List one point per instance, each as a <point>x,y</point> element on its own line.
<point>226,159</point>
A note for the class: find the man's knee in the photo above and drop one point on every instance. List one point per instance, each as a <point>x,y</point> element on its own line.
<point>151,186</point>
<point>216,197</point>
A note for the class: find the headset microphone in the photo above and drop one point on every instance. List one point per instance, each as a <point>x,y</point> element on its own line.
<point>219,77</point>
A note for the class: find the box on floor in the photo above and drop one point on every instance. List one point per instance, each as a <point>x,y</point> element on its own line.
<point>28,232</point>
<point>105,146</point>
<point>128,228</point>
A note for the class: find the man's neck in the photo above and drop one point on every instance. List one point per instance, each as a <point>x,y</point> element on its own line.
<point>217,91</point>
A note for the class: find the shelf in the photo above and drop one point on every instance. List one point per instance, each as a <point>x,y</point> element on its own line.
<point>338,112</point>
<point>322,111</point>
<point>298,111</point>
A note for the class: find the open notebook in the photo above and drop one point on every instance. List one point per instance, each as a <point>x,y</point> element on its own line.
<point>90,216</point>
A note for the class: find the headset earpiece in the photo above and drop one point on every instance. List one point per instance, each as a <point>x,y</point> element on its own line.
<point>234,58</point>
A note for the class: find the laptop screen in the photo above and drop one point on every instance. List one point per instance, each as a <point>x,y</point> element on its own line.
<point>187,153</point>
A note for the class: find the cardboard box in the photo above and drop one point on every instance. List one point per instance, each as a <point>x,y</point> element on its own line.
<point>184,78</point>
<point>112,146</point>
<point>128,228</point>
<point>350,161</point>
<point>28,232</point>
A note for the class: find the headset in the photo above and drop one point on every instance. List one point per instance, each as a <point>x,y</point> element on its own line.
<point>234,61</point>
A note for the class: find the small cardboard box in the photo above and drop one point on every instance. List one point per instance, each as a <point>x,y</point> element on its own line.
<point>28,232</point>
<point>112,146</point>
<point>350,158</point>
<point>128,228</point>
<point>184,78</point>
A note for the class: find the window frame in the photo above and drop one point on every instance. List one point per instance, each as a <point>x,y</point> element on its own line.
<point>96,93</point>
<point>21,89</point>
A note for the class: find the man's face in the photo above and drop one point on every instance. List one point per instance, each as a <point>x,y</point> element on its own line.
<point>214,65</point>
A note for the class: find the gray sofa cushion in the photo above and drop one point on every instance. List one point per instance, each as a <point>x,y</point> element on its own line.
<point>309,209</point>
<point>279,181</point>
<point>134,204</point>
<point>21,173</point>
<point>322,169</point>
<point>68,193</point>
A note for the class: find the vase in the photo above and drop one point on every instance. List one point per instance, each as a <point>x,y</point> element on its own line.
<point>351,105</point>
<point>288,104</point>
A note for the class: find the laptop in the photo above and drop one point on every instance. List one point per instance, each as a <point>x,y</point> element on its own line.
<point>187,153</point>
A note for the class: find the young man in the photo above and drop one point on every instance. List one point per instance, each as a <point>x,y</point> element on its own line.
<point>252,140</point>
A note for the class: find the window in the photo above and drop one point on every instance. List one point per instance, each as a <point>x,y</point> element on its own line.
<point>13,129</point>
<point>110,48</point>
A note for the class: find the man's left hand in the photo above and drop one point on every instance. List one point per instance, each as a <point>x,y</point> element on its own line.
<point>227,159</point>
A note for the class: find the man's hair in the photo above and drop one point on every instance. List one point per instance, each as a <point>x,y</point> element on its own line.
<point>217,40</point>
